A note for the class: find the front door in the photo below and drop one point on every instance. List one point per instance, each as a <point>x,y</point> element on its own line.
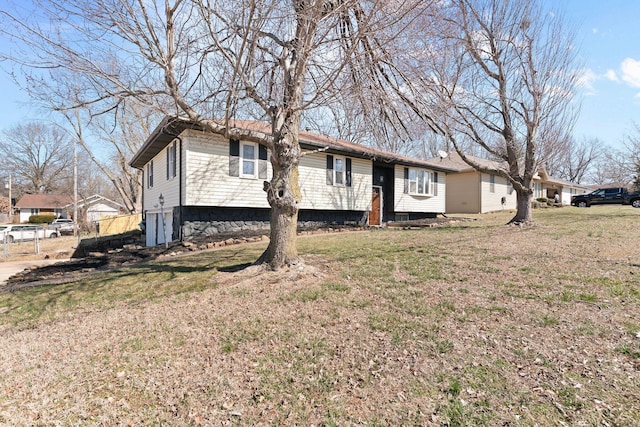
<point>374,214</point>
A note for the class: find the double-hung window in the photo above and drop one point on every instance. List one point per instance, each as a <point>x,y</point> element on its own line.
<point>420,182</point>
<point>171,161</point>
<point>150,174</point>
<point>248,155</point>
<point>492,183</point>
<point>338,171</point>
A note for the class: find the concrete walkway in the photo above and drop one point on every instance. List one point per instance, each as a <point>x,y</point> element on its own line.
<point>9,268</point>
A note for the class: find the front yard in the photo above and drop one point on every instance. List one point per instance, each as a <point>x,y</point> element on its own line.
<point>473,323</point>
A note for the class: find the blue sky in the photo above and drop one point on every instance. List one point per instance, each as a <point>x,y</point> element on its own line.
<point>608,39</point>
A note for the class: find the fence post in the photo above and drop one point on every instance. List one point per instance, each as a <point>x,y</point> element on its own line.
<point>36,243</point>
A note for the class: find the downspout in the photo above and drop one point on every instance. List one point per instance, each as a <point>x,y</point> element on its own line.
<point>144,212</point>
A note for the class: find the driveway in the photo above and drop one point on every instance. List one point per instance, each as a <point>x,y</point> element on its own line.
<point>9,268</point>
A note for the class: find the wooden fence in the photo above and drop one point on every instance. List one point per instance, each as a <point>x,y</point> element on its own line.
<point>117,224</point>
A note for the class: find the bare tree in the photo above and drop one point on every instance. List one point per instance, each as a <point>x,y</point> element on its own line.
<point>612,168</point>
<point>121,135</point>
<point>632,148</point>
<point>38,156</point>
<point>619,166</point>
<point>214,61</point>
<point>573,160</point>
<point>503,74</point>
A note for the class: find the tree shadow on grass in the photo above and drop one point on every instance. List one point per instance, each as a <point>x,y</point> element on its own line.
<point>235,268</point>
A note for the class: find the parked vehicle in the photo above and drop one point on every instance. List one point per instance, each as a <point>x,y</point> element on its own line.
<point>22,232</point>
<point>63,225</point>
<point>604,196</point>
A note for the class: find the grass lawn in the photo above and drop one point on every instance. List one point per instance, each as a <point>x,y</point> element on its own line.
<point>473,323</point>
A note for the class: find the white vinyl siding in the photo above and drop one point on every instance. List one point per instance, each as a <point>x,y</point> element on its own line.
<point>207,180</point>
<point>162,183</point>
<point>407,202</point>
<point>317,194</point>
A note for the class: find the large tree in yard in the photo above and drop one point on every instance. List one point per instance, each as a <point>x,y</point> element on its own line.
<point>503,74</point>
<point>212,62</point>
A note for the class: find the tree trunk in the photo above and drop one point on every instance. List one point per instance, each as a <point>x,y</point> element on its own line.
<point>523,213</point>
<point>283,194</point>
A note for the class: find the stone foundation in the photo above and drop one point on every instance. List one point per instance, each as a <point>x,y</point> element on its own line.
<point>198,222</point>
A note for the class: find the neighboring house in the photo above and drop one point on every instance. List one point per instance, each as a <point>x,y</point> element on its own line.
<point>545,186</point>
<point>212,185</point>
<point>91,208</point>
<point>42,204</point>
<point>470,191</point>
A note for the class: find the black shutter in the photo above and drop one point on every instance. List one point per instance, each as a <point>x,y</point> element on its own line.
<point>406,180</point>
<point>168,154</point>
<point>348,172</point>
<point>435,183</point>
<point>329,169</point>
<point>234,157</point>
<point>262,162</point>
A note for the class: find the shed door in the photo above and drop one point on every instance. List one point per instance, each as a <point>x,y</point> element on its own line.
<point>376,199</point>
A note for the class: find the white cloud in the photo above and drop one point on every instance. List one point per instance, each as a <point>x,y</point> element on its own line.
<point>630,69</point>
<point>612,75</point>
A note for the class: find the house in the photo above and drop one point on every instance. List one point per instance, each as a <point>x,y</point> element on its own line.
<point>471,191</point>
<point>199,183</point>
<point>42,204</point>
<point>545,186</point>
<point>91,208</point>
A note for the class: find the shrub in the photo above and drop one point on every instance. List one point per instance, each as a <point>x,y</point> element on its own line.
<point>41,219</point>
<point>542,199</point>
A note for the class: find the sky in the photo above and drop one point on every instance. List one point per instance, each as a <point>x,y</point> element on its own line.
<point>608,42</point>
<point>608,39</point>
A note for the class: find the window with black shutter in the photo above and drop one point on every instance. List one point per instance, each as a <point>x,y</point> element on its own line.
<point>329,169</point>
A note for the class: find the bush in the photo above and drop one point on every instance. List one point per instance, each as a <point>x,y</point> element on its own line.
<point>542,199</point>
<point>41,219</point>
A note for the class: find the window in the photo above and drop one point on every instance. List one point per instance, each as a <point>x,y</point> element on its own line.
<point>537,190</point>
<point>150,174</point>
<point>338,171</point>
<point>247,160</point>
<point>420,182</point>
<point>171,161</point>
<point>248,155</point>
<point>492,183</point>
